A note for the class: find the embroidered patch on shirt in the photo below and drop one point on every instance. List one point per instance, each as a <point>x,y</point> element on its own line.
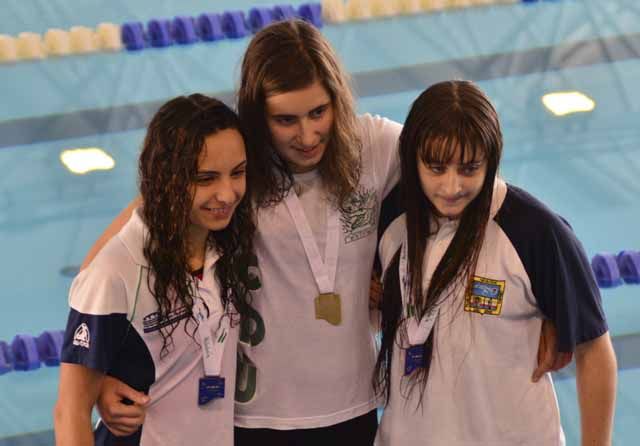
<point>152,321</point>
<point>360,215</point>
<point>485,297</point>
<point>82,336</point>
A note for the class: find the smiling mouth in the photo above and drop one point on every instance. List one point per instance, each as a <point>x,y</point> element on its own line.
<point>219,212</point>
<point>311,149</point>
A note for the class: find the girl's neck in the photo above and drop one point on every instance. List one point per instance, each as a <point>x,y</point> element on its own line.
<point>196,247</point>
<point>195,262</point>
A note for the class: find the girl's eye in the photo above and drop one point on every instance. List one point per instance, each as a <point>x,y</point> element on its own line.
<point>436,168</point>
<point>284,120</point>
<point>204,179</point>
<point>470,169</point>
<point>318,112</point>
<point>238,173</point>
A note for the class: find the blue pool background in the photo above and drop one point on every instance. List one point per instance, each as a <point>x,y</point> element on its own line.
<point>585,166</point>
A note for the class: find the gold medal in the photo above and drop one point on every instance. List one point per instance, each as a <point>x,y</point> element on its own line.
<point>328,307</point>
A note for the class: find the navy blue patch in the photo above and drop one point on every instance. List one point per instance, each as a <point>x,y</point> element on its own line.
<point>94,340</point>
<point>109,344</point>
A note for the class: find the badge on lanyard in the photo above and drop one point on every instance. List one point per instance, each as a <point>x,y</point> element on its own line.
<point>327,305</point>
<point>210,388</point>
<point>418,330</point>
<point>328,308</point>
<point>414,359</point>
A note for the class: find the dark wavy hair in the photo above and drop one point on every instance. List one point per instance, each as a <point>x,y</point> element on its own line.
<point>449,121</point>
<point>283,57</point>
<point>167,169</point>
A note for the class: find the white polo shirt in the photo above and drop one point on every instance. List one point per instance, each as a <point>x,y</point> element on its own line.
<point>297,371</point>
<point>113,327</point>
<point>479,390</point>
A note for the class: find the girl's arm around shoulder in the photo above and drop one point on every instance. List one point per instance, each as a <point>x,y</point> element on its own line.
<point>77,393</point>
<point>596,381</point>
<point>113,228</point>
<point>390,242</point>
<point>380,139</point>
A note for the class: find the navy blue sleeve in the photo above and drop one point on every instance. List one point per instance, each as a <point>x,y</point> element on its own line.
<point>94,340</point>
<point>560,273</point>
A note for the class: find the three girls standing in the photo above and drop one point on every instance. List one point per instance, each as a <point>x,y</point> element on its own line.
<point>307,352</point>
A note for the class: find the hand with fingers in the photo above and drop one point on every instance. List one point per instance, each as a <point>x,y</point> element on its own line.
<point>121,408</point>
<point>549,358</point>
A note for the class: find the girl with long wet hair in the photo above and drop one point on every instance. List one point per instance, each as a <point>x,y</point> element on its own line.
<point>323,174</point>
<point>470,272</point>
<point>285,58</point>
<point>159,307</point>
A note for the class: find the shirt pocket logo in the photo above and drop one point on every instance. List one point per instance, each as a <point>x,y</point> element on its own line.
<point>485,297</point>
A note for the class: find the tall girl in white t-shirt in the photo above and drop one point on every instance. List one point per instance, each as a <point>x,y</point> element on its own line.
<point>305,364</point>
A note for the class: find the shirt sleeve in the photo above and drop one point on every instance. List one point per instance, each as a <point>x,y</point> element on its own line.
<point>382,135</point>
<point>565,288</point>
<point>560,273</point>
<point>97,324</point>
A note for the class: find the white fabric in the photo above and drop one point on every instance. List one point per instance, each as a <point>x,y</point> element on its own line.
<point>322,267</point>
<point>479,390</point>
<point>310,373</point>
<point>313,199</point>
<point>109,285</point>
<point>417,330</point>
<point>213,332</point>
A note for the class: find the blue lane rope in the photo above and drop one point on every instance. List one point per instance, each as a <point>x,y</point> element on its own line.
<point>613,270</point>
<point>210,27</point>
<point>26,353</point>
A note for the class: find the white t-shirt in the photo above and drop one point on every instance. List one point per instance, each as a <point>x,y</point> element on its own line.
<point>113,327</point>
<point>479,390</point>
<point>297,371</point>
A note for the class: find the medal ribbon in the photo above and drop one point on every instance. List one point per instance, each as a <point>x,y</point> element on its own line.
<point>417,331</point>
<point>323,272</point>
<point>212,346</point>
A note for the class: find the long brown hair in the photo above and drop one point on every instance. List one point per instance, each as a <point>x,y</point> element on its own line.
<point>449,120</point>
<point>281,58</point>
<point>167,169</point>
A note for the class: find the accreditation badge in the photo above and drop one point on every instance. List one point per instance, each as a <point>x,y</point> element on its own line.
<point>414,358</point>
<point>210,388</point>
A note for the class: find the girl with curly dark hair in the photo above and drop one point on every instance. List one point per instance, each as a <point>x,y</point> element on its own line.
<point>471,270</point>
<point>159,307</point>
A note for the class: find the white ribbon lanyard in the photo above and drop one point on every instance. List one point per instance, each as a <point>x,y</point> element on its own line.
<point>417,331</point>
<point>212,346</point>
<point>323,272</point>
